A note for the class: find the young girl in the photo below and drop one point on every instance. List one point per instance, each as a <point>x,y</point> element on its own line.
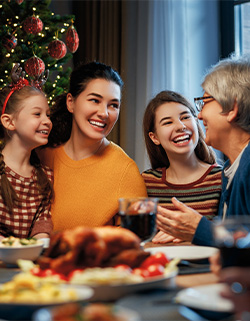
<point>26,186</point>
<point>91,173</point>
<point>183,166</point>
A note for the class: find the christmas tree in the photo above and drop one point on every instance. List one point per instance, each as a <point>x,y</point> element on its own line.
<point>35,37</point>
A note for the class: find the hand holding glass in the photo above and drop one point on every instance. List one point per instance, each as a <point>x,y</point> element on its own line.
<point>139,216</point>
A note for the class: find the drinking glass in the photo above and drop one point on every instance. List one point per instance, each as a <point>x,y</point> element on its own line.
<point>232,237</point>
<point>139,216</point>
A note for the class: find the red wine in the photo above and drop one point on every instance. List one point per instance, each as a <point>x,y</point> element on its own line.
<point>234,256</point>
<point>142,224</point>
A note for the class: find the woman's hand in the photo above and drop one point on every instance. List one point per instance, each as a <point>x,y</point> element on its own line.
<point>41,236</point>
<point>215,263</point>
<point>180,224</point>
<point>162,238</point>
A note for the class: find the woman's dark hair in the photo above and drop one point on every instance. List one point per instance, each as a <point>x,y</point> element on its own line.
<point>157,155</point>
<point>13,107</point>
<point>79,79</point>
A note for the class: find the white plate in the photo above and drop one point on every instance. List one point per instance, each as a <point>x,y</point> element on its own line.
<point>22,311</point>
<point>205,297</point>
<point>113,292</point>
<point>193,252</point>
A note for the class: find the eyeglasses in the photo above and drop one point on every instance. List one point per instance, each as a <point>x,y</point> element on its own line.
<point>199,102</point>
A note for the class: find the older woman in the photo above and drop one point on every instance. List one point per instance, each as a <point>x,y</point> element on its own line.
<point>225,112</point>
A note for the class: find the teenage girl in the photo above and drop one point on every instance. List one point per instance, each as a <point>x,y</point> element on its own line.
<point>183,166</point>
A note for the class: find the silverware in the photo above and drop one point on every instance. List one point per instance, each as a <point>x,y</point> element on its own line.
<point>193,264</point>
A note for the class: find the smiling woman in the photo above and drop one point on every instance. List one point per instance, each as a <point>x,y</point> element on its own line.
<point>96,111</point>
<point>91,173</point>
<point>183,166</point>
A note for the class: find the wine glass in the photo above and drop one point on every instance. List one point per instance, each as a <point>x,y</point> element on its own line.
<point>232,237</point>
<point>139,216</point>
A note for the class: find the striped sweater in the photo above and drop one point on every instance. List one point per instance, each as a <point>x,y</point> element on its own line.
<point>203,195</point>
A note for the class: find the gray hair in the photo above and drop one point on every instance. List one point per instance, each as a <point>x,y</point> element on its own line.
<point>228,82</point>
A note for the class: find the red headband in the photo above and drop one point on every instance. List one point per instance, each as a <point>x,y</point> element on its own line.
<point>14,87</point>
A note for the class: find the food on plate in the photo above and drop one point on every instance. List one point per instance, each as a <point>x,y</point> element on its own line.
<point>98,256</point>
<point>121,246</point>
<point>101,276</point>
<point>19,242</point>
<point>117,275</point>
<point>27,288</point>
<point>92,312</point>
<point>157,258</point>
<point>85,247</point>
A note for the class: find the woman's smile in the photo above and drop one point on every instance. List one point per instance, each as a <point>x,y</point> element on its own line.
<point>98,124</point>
<point>182,140</point>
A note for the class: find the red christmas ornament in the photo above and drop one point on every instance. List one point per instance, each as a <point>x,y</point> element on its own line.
<point>34,66</point>
<point>57,49</point>
<point>19,1</point>
<point>33,25</point>
<point>9,42</point>
<point>72,39</point>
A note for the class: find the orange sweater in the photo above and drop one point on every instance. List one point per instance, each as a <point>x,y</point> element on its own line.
<point>87,191</point>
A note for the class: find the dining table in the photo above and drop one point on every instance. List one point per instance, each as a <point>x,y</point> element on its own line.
<point>157,304</point>
<point>160,305</point>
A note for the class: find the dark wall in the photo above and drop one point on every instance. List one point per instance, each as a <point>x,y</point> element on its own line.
<point>227,27</point>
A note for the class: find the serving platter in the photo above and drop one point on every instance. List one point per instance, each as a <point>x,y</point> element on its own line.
<point>106,293</point>
<point>185,252</point>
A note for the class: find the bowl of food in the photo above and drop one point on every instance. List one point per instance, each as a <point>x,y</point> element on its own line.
<point>13,249</point>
